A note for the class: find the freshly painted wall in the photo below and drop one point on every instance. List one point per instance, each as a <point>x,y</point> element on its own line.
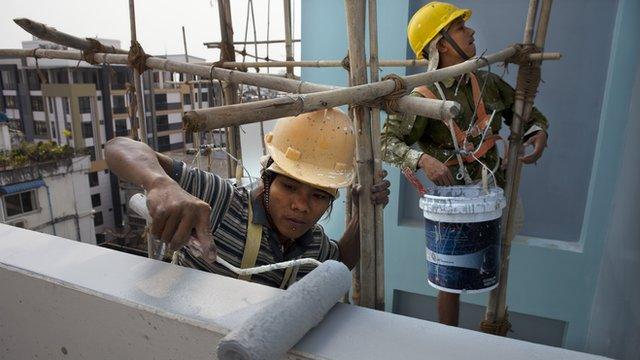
<point>587,97</point>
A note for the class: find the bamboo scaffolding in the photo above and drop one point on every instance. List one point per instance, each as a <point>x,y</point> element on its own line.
<point>338,63</point>
<point>230,88</point>
<point>355,14</point>
<point>287,35</point>
<point>406,104</point>
<point>377,158</point>
<point>496,312</point>
<point>137,83</point>
<point>196,135</point>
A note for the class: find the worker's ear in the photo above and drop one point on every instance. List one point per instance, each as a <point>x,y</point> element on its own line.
<point>443,46</point>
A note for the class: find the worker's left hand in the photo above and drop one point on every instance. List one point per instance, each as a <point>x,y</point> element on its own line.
<point>379,191</point>
<point>539,142</point>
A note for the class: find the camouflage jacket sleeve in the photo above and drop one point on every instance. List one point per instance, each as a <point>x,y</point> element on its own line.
<point>399,133</point>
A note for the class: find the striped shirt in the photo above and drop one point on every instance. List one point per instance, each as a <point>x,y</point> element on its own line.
<point>228,223</point>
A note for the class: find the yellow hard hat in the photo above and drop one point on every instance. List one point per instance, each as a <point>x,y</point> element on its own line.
<point>427,22</point>
<point>316,148</point>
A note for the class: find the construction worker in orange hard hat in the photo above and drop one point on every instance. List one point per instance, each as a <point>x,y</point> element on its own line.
<point>310,157</point>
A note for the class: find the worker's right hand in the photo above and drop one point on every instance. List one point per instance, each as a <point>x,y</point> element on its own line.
<point>176,214</point>
<point>436,171</point>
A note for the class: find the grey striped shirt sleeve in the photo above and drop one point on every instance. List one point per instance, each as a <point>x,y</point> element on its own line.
<point>328,249</point>
<point>206,186</point>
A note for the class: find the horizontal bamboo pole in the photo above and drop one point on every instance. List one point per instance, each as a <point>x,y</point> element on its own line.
<point>216,44</point>
<point>213,118</point>
<point>338,63</point>
<point>247,113</point>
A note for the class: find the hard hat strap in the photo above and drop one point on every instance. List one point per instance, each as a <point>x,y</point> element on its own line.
<point>454,45</point>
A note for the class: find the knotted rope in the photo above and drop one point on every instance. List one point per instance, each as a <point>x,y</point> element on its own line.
<point>137,58</point>
<point>88,55</point>
<point>500,328</point>
<point>41,76</point>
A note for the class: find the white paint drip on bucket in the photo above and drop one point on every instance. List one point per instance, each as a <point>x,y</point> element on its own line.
<point>462,228</point>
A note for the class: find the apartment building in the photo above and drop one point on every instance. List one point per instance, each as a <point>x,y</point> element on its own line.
<point>77,104</point>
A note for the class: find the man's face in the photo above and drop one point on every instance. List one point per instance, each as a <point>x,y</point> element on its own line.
<point>295,207</point>
<point>463,36</point>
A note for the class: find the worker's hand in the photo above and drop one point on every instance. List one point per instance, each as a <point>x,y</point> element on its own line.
<point>539,142</point>
<point>379,191</point>
<point>436,171</point>
<point>177,214</point>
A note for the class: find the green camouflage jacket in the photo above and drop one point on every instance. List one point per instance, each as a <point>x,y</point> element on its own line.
<point>402,132</point>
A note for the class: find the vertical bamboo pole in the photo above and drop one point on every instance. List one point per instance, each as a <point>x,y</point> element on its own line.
<point>230,90</point>
<point>356,13</point>
<point>377,156</point>
<point>288,36</point>
<point>142,129</point>
<point>196,135</point>
<point>496,307</point>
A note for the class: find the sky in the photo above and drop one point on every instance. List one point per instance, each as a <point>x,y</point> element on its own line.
<point>158,23</point>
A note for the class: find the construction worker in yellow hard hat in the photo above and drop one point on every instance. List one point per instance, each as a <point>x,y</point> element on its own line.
<point>438,32</point>
<point>310,157</point>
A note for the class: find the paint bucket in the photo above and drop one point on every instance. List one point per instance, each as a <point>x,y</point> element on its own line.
<point>462,226</point>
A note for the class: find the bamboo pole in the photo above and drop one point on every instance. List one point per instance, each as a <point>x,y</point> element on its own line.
<point>496,312</point>
<point>355,14</point>
<point>287,35</point>
<point>290,105</point>
<point>377,158</point>
<point>216,44</point>
<point>338,63</point>
<point>195,134</point>
<point>230,88</point>
<point>137,82</point>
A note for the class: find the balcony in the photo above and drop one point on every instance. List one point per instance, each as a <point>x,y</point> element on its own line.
<point>67,299</point>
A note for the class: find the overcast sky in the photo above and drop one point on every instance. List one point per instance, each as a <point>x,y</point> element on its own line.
<point>158,23</point>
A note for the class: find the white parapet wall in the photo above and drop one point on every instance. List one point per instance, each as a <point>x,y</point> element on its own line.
<point>64,299</point>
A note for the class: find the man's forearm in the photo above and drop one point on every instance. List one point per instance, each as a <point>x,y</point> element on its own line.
<point>135,162</point>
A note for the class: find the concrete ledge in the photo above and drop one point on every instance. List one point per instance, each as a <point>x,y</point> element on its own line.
<point>67,299</point>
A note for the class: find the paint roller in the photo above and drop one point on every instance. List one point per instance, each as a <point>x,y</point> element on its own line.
<point>285,319</point>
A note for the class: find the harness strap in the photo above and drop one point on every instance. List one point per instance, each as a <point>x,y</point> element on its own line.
<point>252,248</point>
<point>481,123</point>
<point>252,244</point>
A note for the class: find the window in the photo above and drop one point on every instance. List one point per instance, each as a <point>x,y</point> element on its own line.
<point>37,104</point>
<point>188,137</point>
<point>34,79</point>
<point>11,102</point>
<point>61,76</point>
<point>8,80</point>
<point>186,99</point>
<point>40,128</point>
<point>121,127</point>
<point>164,144</point>
<point>85,104</point>
<point>87,130</point>
<point>53,130</point>
<point>119,78</point>
<point>118,105</point>
<point>20,203</point>
<point>65,105</point>
<point>50,104</point>
<point>163,122</point>
<point>97,219</point>
<point>93,179</point>
<point>95,200</point>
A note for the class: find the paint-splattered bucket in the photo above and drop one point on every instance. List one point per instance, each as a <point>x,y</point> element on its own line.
<point>462,225</point>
